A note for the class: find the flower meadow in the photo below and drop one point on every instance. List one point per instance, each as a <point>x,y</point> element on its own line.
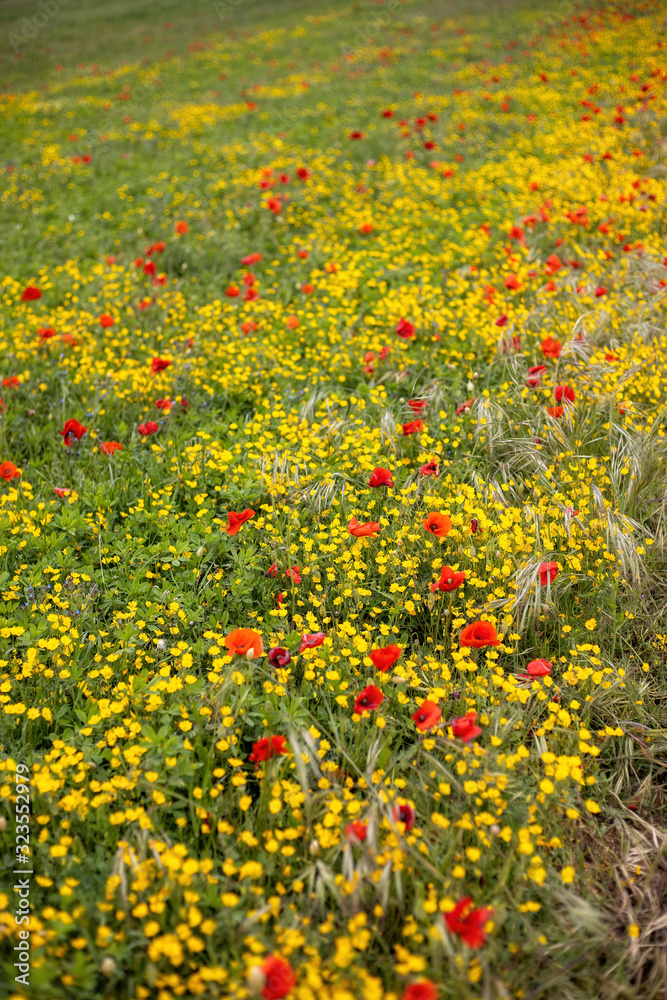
<point>333,502</point>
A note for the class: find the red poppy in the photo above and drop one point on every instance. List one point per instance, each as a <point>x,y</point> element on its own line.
<point>381,477</point>
<point>61,491</point>
<point>12,380</point>
<point>385,656</point>
<point>232,292</point>
<point>163,404</point>
<point>601,290</point>
<point>534,380</point>
<point>159,365</point>
<point>252,258</point>
<point>182,227</point>
<point>106,321</point>
<point>240,641</point>
<point>479,634</point>
<point>8,471</point>
<point>464,407</point>
<point>267,747</point>
<point>311,641</point>
<point>430,469</point>
<point>293,575</point>
<point>502,320</point>
<point>303,173</point>
<point>366,228</point>
<point>272,571</point>
<point>150,427</point>
<point>72,430</point>
<point>367,530</point>
<point>404,814</point>
<point>464,727</point>
<point>539,668</point>
<point>307,288</point>
<point>109,447</point>
<point>356,831</point>
<point>468,923</point>
<point>551,348</point>
<point>564,393</point>
<point>427,715</point>
<point>356,135</point>
<point>236,521</point>
<point>554,263</point>
<point>370,698</point>
<point>449,580</point>
<point>413,427</point>
<point>555,411</point>
<point>278,656</point>
<point>512,282</point>
<point>405,329</point>
<point>438,524</point>
<point>149,267</point>
<point>31,294</point>
<point>548,572</point>
<point>424,989</point>
<point>418,405</point>
<point>292,322</point>
<point>46,333</point>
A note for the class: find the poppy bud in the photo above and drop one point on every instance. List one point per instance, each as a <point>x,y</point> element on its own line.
<point>201,551</point>
<point>494,830</point>
<point>397,679</point>
<point>471,551</point>
<point>108,966</point>
<point>256,980</point>
<point>470,386</point>
<point>314,848</point>
<point>474,525</point>
<point>3,824</point>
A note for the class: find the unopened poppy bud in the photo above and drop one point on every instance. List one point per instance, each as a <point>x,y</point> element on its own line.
<point>108,966</point>
<point>256,980</point>
<point>470,386</point>
<point>504,628</point>
<point>397,679</point>
<point>161,644</point>
<point>471,551</point>
<point>494,830</point>
<point>3,824</point>
<point>201,551</point>
<point>314,848</point>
